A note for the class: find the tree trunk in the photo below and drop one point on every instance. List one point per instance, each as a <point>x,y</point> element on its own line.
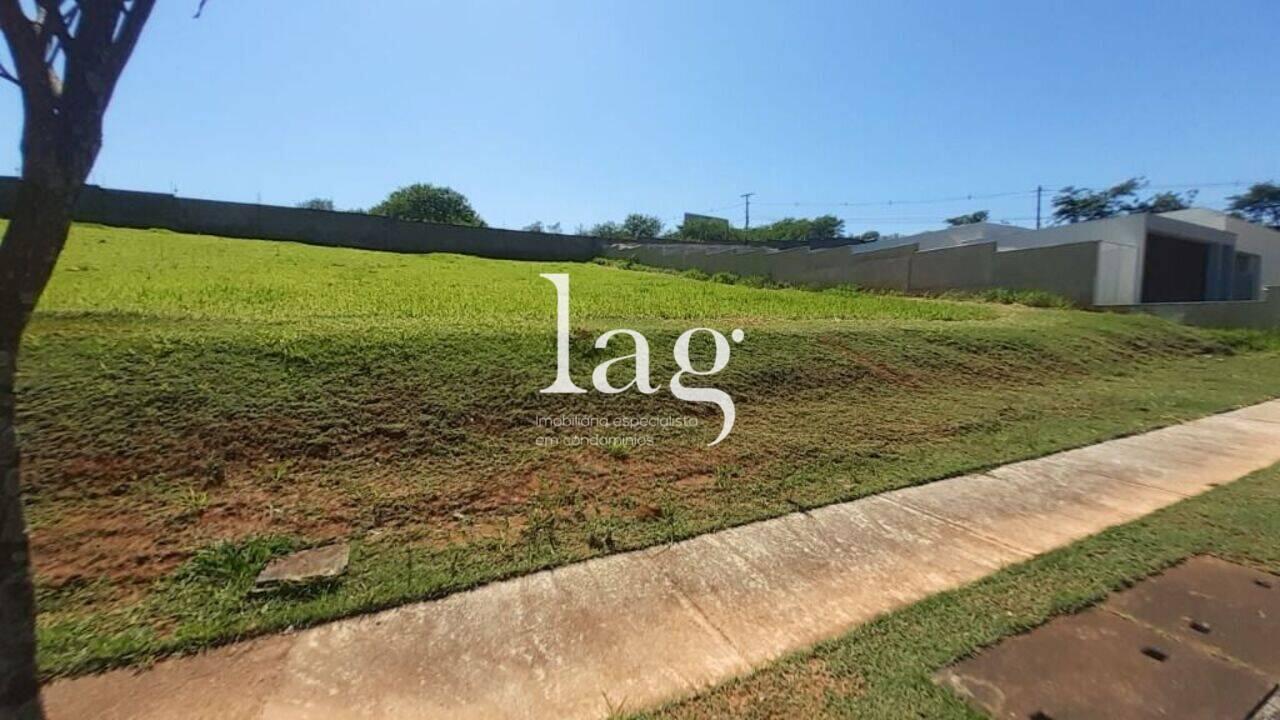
<point>35,236</point>
<point>19,691</point>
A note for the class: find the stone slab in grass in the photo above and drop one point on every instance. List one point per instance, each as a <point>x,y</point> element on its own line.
<point>1098,665</point>
<point>1230,608</point>
<point>305,566</point>
<point>1200,640</point>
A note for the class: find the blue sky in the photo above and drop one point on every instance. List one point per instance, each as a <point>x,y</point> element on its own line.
<point>579,112</point>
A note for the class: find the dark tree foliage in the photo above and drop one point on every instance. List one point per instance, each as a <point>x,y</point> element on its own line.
<point>316,204</point>
<point>1073,204</point>
<point>969,219</point>
<point>635,226</point>
<point>710,230</point>
<point>538,226</point>
<point>1259,204</point>
<point>1164,202</point>
<point>429,203</point>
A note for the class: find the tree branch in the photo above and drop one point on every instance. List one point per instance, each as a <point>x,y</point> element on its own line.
<point>51,20</point>
<point>37,83</point>
<point>134,20</point>
<point>54,28</point>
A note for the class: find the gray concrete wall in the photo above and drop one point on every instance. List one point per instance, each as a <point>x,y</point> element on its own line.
<point>1066,270</point>
<point>964,267</point>
<point>1261,314</point>
<point>126,208</point>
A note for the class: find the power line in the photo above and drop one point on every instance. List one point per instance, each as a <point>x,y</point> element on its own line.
<point>1038,191</point>
<point>909,220</point>
<point>930,201</point>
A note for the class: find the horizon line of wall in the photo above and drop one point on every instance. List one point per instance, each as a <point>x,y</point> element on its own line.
<point>135,209</point>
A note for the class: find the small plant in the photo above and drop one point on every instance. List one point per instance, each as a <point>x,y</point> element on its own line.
<point>695,274</point>
<point>231,563</point>
<point>600,534</point>
<point>193,502</point>
<point>1005,296</point>
<point>725,474</point>
<point>725,278</point>
<point>277,472</point>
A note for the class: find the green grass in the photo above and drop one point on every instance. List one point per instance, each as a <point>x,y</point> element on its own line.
<point>190,406</point>
<point>884,669</point>
<point>162,274</point>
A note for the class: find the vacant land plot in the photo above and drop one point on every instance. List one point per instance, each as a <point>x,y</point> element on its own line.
<point>191,406</point>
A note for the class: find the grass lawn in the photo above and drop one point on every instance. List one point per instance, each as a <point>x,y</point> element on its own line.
<point>190,406</point>
<point>884,669</point>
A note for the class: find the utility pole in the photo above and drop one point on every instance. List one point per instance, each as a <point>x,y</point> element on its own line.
<point>746,220</point>
<point>1039,190</point>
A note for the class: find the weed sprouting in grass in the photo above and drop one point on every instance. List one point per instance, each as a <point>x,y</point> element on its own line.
<point>193,502</point>
<point>232,564</point>
<point>1005,296</point>
<point>617,450</point>
<point>725,474</point>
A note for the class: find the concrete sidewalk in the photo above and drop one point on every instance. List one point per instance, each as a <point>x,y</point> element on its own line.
<point>636,629</point>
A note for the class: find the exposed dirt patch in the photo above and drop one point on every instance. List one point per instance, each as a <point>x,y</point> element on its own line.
<point>795,690</point>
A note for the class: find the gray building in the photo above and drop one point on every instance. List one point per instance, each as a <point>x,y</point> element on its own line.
<point>1188,265</point>
<point>1142,258</point>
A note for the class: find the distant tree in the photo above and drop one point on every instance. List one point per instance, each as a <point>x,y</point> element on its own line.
<point>428,203</point>
<point>867,237</point>
<point>634,227</point>
<point>537,227</point>
<point>608,230</point>
<point>1164,202</point>
<point>789,229</point>
<point>825,227</point>
<point>1073,204</point>
<point>708,230</point>
<point>316,204</point>
<point>1259,204</point>
<point>638,226</point>
<point>970,219</point>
